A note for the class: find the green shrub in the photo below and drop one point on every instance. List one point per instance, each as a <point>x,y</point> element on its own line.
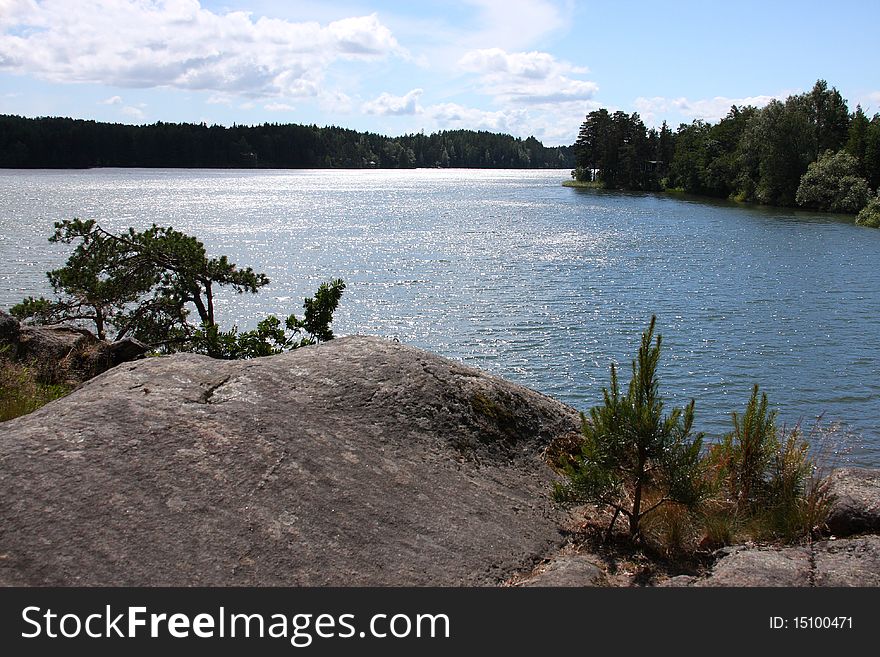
<point>21,392</point>
<point>766,484</point>
<point>870,214</point>
<point>832,183</point>
<point>757,483</point>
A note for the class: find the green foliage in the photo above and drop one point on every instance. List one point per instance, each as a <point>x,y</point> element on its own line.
<point>69,143</point>
<point>758,482</point>
<point>871,163</point>
<point>39,311</point>
<point>764,478</point>
<point>750,155</point>
<point>870,214</point>
<point>621,148</point>
<point>631,450</point>
<point>832,184</point>
<point>856,138</point>
<point>689,164</point>
<point>742,459</point>
<point>147,284</point>
<point>270,337</point>
<point>21,391</point>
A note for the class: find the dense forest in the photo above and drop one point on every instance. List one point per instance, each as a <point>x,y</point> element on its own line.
<point>809,151</point>
<point>73,143</point>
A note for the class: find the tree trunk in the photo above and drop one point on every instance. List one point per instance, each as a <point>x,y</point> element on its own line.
<point>209,296</point>
<point>99,324</point>
<point>200,307</point>
<point>635,518</point>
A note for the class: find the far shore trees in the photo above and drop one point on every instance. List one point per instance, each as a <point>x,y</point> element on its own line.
<point>832,184</point>
<point>146,285</point>
<point>764,155</point>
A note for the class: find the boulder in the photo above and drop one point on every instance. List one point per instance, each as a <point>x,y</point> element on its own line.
<point>856,501</point>
<point>54,342</point>
<point>355,462</point>
<point>125,350</point>
<point>760,566</point>
<point>9,332</point>
<point>569,570</point>
<point>64,353</point>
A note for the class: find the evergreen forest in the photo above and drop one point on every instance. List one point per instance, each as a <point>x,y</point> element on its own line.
<point>75,143</point>
<point>809,150</point>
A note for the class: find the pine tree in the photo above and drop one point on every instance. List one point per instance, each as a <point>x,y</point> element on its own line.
<point>633,459</point>
<point>146,284</point>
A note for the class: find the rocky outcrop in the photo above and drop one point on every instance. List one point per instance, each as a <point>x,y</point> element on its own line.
<point>356,462</point>
<point>841,562</point>
<point>64,353</point>
<point>856,501</point>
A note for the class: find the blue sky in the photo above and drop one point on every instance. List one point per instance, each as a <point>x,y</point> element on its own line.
<point>526,67</point>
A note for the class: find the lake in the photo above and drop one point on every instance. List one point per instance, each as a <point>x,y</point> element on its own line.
<point>510,272</point>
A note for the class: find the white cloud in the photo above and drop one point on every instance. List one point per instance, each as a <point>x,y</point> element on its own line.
<point>388,105</point>
<point>653,109</point>
<point>333,100</point>
<point>553,126</point>
<point>133,112</point>
<point>178,43</point>
<point>12,11</point>
<point>113,100</point>
<point>278,107</point>
<point>527,77</point>
<point>871,102</point>
<point>518,23</point>
<point>453,115</point>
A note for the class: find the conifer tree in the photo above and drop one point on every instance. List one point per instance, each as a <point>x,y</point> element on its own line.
<point>145,284</point>
<point>633,458</point>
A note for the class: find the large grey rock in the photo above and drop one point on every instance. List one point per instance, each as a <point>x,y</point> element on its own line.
<point>126,350</point>
<point>64,352</point>
<point>53,342</point>
<point>356,462</point>
<point>856,505</point>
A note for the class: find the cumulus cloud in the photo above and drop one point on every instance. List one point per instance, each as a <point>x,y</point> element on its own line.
<point>527,77</point>
<point>453,115</point>
<point>180,44</point>
<point>113,100</point>
<point>553,128</point>
<point>388,105</point>
<point>708,109</point>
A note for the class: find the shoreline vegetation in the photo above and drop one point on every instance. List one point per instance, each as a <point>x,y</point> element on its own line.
<point>809,151</point>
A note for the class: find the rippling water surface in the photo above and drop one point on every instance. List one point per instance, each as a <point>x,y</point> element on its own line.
<point>513,273</point>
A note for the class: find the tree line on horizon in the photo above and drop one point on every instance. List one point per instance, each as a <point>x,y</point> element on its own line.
<point>809,150</point>
<point>52,142</point>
